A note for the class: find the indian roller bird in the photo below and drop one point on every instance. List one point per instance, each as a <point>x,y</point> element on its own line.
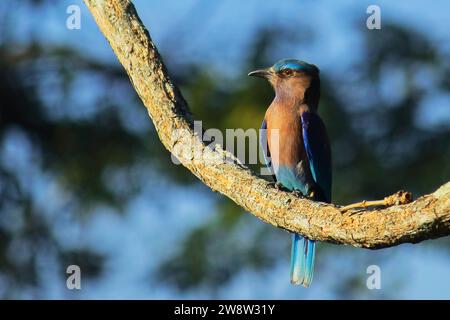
<point>296,146</point>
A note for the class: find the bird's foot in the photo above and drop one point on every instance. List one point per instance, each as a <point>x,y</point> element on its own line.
<point>298,194</point>
<point>312,194</point>
<point>276,185</point>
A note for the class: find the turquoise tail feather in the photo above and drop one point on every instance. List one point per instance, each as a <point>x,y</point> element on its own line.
<point>302,260</point>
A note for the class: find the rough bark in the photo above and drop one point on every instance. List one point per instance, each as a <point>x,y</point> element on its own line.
<point>426,218</point>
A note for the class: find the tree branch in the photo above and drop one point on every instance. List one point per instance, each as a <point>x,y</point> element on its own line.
<point>426,218</point>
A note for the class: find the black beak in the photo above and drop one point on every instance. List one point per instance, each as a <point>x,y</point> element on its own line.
<point>263,73</point>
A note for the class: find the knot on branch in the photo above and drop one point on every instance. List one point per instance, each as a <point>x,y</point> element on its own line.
<point>398,198</point>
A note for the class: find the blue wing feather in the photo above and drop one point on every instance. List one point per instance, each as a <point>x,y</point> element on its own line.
<point>263,142</point>
<point>265,147</point>
<point>318,151</point>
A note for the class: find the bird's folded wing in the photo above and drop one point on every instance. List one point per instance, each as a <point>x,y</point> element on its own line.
<point>265,147</point>
<point>317,148</point>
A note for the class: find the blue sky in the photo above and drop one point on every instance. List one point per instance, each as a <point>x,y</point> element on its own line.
<point>218,36</point>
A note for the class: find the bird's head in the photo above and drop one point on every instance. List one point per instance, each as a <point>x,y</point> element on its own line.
<point>292,78</point>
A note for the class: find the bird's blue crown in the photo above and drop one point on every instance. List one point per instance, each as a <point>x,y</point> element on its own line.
<point>294,64</point>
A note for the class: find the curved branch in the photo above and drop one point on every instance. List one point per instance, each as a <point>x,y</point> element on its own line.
<point>427,217</point>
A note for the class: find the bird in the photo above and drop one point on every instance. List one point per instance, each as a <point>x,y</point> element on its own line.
<point>296,147</point>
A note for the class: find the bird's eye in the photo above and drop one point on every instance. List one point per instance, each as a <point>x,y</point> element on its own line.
<point>287,72</point>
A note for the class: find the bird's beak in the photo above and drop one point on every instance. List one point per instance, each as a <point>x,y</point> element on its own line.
<point>262,73</point>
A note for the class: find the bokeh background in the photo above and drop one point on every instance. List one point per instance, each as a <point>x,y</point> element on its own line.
<point>84,179</point>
